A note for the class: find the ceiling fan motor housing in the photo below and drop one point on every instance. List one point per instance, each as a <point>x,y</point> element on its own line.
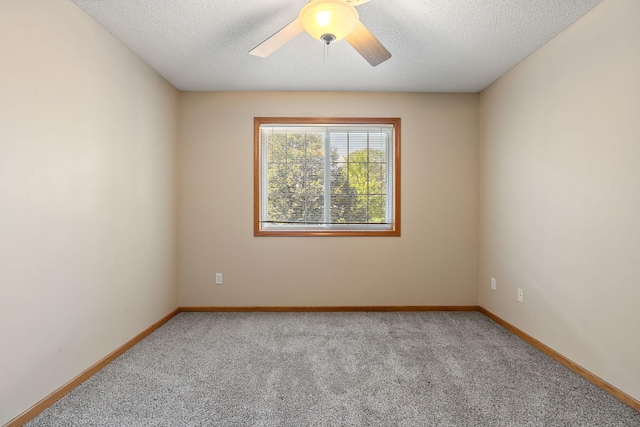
<point>328,20</point>
<point>328,38</point>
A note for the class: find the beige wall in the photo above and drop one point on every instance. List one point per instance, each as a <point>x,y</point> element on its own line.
<point>90,252</point>
<point>433,262</point>
<point>560,194</point>
<point>87,197</point>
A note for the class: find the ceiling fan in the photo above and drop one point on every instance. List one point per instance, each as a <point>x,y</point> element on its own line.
<point>329,21</point>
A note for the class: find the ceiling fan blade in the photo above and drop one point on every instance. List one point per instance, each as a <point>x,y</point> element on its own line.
<point>368,45</point>
<point>277,40</point>
<point>357,2</point>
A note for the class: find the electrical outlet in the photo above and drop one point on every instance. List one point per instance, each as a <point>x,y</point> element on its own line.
<point>493,283</point>
<point>218,278</point>
<point>521,295</point>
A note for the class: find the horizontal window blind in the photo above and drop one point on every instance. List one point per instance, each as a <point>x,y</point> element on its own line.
<point>326,176</point>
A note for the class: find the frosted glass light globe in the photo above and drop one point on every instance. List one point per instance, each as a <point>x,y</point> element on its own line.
<point>333,17</point>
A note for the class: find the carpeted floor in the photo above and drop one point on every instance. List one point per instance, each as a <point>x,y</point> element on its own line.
<point>335,369</point>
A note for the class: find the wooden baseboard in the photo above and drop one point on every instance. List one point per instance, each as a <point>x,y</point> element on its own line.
<point>32,412</point>
<point>591,377</point>
<point>56,395</point>
<point>331,308</point>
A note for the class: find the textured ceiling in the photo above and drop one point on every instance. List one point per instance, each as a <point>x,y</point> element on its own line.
<point>437,45</point>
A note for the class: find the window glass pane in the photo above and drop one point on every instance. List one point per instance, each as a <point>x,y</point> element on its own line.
<point>376,208</point>
<point>279,205</point>
<point>296,147</point>
<point>378,141</point>
<point>357,146</point>
<point>314,208</point>
<point>339,147</point>
<point>295,210</point>
<point>345,209</point>
<point>314,150</point>
<point>377,174</point>
<point>277,144</point>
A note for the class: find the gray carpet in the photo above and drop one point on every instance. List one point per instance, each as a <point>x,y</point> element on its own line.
<point>335,369</point>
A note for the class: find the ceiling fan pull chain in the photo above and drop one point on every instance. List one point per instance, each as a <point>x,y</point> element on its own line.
<point>327,39</point>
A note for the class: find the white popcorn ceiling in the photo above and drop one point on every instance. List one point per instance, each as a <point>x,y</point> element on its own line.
<point>437,45</point>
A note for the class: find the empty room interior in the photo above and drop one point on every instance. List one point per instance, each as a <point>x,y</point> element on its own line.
<point>128,180</point>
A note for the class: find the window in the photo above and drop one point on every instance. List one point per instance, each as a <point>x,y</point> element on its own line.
<point>326,177</point>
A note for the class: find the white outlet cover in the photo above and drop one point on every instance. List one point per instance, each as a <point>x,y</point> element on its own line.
<point>493,283</point>
<point>521,295</point>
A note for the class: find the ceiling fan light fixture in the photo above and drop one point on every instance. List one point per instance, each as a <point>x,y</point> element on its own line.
<point>322,17</point>
<point>329,21</point>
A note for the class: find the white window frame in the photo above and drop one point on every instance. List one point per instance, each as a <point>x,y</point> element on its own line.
<point>262,228</point>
